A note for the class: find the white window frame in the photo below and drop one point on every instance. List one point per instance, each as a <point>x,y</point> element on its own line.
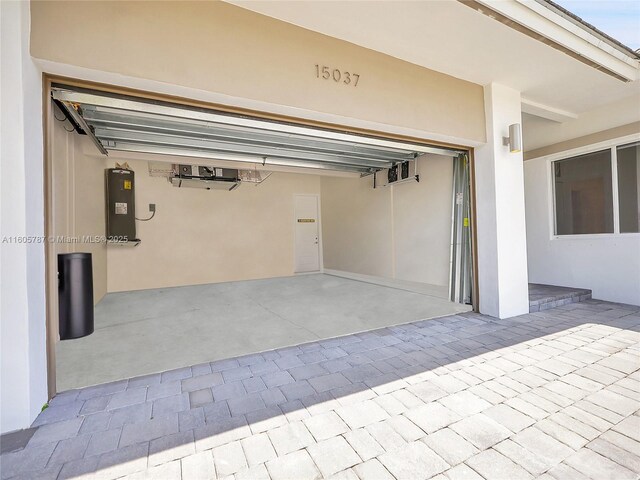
<point>574,152</point>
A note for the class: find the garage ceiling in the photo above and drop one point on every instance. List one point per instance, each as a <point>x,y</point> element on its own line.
<point>124,123</point>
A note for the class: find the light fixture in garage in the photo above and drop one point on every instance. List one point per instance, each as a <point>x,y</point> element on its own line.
<point>514,140</point>
<point>124,123</point>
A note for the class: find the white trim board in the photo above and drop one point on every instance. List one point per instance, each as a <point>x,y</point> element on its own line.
<point>593,147</point>
<point>540,19</point>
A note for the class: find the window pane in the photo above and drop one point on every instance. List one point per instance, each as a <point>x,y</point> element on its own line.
<point>628,191</point>
<point>583,194</point>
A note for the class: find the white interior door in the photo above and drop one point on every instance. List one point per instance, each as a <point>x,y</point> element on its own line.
<point>307,241</point>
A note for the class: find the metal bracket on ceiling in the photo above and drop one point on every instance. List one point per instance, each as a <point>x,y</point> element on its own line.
<point>73,112</point>
<point>368,173</point>
<point>413,178</point>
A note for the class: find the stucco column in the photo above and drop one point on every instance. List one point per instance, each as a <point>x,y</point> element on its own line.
<point>502,241</point>
<point>23,367</point>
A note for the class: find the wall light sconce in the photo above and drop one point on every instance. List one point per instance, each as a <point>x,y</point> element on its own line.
<point>514,140</point>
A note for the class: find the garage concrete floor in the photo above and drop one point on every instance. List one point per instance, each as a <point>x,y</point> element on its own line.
<point>148,331</point>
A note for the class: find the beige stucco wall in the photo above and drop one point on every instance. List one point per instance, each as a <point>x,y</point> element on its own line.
<point>218,47</point>
<point>356,226</point>
<point>422,223</point>
<point>78,199</point>
<point>401,232</point>
<point>199,236</point>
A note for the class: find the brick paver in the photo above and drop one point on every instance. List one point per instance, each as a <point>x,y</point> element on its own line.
<point>552,394</point>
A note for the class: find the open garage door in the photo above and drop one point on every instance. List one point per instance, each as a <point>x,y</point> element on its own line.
<point>307,232</point>
<point>119,123</point>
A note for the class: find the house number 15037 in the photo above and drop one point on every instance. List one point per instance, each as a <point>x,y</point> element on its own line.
<point>337,75</point>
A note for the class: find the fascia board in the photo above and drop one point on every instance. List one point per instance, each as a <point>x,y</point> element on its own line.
<point>558,29</point>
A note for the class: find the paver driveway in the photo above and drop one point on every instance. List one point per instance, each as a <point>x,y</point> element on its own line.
<point>553,395</point>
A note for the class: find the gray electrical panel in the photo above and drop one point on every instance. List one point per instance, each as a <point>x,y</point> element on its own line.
<point>121,215</point>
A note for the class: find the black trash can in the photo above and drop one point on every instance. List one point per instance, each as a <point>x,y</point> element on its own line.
<point>75,295</point>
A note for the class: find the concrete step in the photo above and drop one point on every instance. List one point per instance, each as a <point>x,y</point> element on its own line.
<point>543,297</point>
